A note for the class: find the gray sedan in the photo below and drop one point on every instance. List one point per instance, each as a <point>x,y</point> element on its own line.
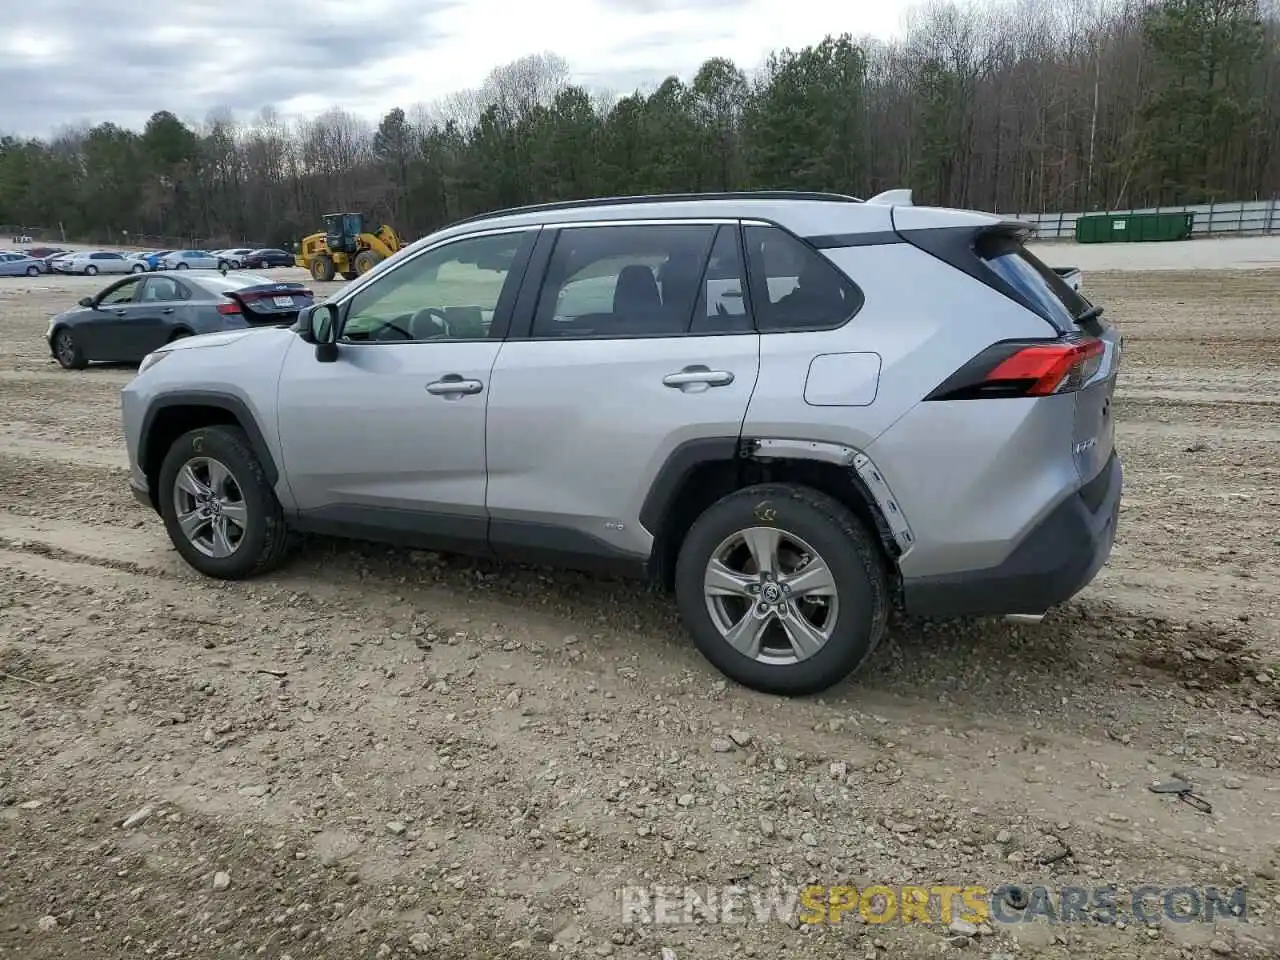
<point>134,316</point>
<point>19,265</point>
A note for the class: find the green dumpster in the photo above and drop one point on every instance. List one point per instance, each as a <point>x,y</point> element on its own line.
<point>1134,227</point>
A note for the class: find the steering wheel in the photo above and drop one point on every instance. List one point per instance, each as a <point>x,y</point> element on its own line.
<point>393,326</point>
<point>433,313</point>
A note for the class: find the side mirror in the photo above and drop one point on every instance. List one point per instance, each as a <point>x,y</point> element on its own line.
<point>86,301</point>
<point>322,324</point>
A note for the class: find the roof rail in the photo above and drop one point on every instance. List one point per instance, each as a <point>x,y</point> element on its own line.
<point>661,198</point>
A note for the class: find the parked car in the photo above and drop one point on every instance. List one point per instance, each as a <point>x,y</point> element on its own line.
<point>132,317</point>
<point>19,264</point>
<point>235,256</point>
<point>43,253</point>
<point>791,409</point>
<point>268,257</point>
<point>153,258</point>
<point>91,262</point>
<point>193,260</point>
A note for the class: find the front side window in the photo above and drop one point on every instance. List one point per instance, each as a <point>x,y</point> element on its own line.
<point>452,292</point>
<point>121,294</point>
<point>794,287</point>
<point>630,280</point>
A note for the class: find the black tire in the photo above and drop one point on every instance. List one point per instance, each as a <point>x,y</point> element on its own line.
<point>266,539</point>
<point>138,268</point>
<point>183,266</point>
<point>845,545</point>
<point>33,271</point>
<point>223,266</point>
<point>349,274</point>
<point>322,268</point>
<point>366,260</point>
<point>66,350</point>
<point>91,271</point>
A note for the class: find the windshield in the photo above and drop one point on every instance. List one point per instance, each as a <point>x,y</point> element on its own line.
<point>1017,266</point>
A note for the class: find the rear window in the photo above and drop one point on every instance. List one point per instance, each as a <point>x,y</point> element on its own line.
<point>1017,266</point>
<point>230,282</point>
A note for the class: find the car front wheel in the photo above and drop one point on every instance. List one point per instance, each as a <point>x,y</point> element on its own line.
<point>66,350</point>
<point>218,507</point>
<point>183,266</point>
<point>91,271</point>
<point>33,271</point>
<point>782,588</point>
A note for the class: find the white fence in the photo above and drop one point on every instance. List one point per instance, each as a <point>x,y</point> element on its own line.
<point>1248,218</point>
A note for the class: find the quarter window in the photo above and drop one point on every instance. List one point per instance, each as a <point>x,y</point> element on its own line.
<point>450,293</point>
<point>794,287</point>
<point>623,281</point>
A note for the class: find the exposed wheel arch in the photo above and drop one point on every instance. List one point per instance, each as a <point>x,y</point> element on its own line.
<point>700,472</point>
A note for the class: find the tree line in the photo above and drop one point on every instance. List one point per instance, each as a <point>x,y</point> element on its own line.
<point>1022,106</point>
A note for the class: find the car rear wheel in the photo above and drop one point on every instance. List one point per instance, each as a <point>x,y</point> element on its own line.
<point>91,271</point>
<point>138,268</point>
<point>33,271</point>
<point>782,588</point>
<point>220,511</point>
<point>66,350</point>
<point>183,266</point>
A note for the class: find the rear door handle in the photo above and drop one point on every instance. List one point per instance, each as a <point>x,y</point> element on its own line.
<point>453,385</point>
<point>698,374</point>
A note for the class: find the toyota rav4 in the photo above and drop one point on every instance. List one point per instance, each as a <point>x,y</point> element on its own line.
<point>794,410</point>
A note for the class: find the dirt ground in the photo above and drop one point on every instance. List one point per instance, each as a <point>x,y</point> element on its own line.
<point>380,753</point>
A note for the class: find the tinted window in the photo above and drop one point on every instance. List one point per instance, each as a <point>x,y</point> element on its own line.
<point>1017,266</point>
<point>623,281</point>
<point>793,286</point>
<point>722,305</point>
<point>449,293</point>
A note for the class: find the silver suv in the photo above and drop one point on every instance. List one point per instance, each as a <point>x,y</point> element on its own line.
<point>793,409</point>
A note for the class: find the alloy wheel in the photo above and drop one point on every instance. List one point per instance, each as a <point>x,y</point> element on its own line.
<point>210,507</point>
<point>771,595</point>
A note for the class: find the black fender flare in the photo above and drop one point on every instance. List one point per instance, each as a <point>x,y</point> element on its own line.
<point>680,464</point>
<point>226,402</point>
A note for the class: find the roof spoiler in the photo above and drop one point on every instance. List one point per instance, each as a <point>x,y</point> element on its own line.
<point>892,198</point>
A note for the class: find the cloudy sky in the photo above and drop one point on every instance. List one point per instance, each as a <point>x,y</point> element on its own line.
<point>72,61</point>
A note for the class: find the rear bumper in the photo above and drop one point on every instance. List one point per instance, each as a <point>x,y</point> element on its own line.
<point>1053,563</point>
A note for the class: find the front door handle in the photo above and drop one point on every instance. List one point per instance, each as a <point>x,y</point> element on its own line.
<point>453,385</point>
<point>167,310</point>
<point>698,375</point>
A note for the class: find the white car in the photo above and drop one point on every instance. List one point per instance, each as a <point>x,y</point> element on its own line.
<point>91,262</point>
<point>194,260</point>
<point>235,256</point>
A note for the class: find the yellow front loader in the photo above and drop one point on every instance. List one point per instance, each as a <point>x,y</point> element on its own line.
<point>345,248</point>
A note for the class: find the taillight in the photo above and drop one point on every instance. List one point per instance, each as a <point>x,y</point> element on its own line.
<point>227,309</point>
<point>1024,369</point>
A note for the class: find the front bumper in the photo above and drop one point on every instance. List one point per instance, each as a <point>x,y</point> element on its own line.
<point>1053,563</point>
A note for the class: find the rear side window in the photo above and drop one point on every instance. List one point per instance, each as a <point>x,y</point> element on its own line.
<point>793,287</point>
<point>1052,297</point>
<point>623,281</point>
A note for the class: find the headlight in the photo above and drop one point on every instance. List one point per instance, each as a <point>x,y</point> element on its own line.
<point>151,359</point>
